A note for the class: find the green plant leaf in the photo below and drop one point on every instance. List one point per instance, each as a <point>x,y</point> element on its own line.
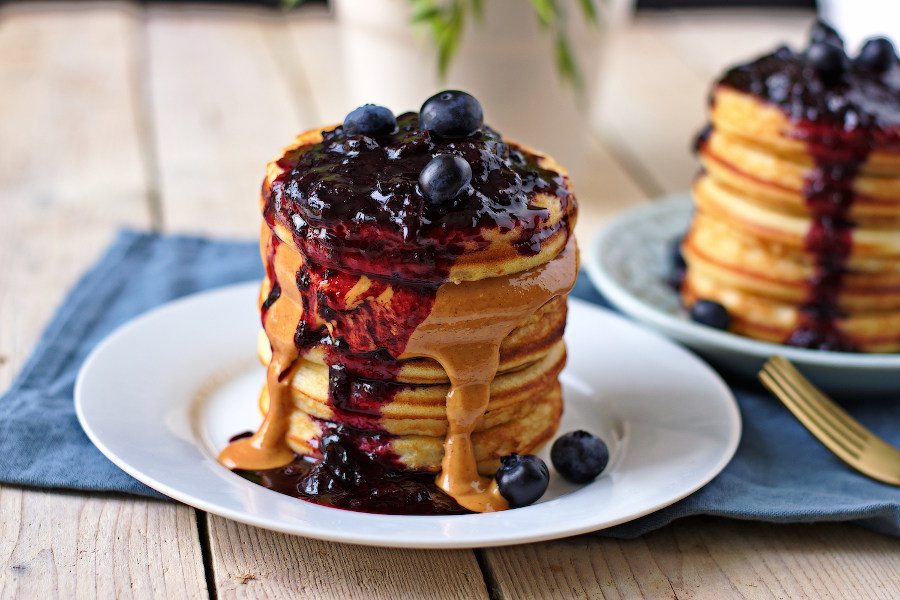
<point>478,9</point>
<point>589,10</point>
<point>546,10</point>
<point>446,20</point>
<point>565,61</point>
<point>424,10</point>
<point>448,35</point>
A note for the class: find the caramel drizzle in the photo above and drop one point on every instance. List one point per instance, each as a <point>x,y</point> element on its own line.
<point>463,332</point>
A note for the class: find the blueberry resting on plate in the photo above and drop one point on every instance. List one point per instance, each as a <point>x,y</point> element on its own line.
<point>827,59</point>
<point>876,55</point>
<point>522,479</point>
<point>712,314</point>
<point>451,114</point>
<point>579,456</point>
<point>371,120</point>
<point>444,178</point>
<point>823,32</point>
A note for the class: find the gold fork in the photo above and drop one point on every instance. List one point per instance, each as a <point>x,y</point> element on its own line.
<point>841,433</point>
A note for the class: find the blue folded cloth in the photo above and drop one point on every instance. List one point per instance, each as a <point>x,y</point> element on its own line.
<point>780,472</point>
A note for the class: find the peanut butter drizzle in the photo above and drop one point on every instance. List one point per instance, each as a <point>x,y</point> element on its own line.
<point>268,447</point>
<point>463,333</point>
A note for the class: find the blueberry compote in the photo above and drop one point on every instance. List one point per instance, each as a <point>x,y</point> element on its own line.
<point>353,200</point>
<point>841,114</point>
<point>349,478</point>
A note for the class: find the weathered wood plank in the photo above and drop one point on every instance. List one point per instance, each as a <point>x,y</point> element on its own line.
<point>67,545</point>
<point>253,563</point>
<point>652,105</point>
<point>221,108</point>
<point>706,558</point>
<point>71,171</point>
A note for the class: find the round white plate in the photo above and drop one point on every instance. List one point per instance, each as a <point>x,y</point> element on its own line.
<point>628,261</point>
<point>162,395</point>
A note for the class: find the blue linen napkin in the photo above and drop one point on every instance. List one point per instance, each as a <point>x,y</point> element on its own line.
<point>779,474</point>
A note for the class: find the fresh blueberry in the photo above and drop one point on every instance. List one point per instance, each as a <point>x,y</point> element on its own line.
<point>827,59</point>
<point>876,55</point>
<point>823,32</point>
<point>713,314</point>
<point>522,479</point>
<point>579,456</point>
<point>444,177</point>
<point>451,114</point>
<point>370,119</point>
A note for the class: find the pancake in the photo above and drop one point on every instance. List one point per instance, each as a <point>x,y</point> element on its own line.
<point>796,230</point>
<point>533,424</point>
<point>419,409</point>
<point>402,333</point>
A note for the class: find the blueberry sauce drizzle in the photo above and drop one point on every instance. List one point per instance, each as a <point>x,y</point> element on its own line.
<point>841,118</point>
<point>353,200</point>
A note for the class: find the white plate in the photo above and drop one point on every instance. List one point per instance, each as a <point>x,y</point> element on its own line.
<point>161,396</point>
<point>628,261</point>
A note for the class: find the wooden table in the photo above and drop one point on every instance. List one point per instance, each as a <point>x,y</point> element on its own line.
<point>114,114</point>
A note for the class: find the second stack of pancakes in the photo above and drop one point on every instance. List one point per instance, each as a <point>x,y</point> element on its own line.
<point>797,223</point>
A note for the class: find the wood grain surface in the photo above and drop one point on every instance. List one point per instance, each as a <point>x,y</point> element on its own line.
<point>118,114</point>
<point>71,172</point>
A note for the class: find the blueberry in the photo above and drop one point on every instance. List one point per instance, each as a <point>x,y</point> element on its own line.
<point>579,456</point>
<point>827,59</point>
<point>876,55</point>
<point>444,177</point>
<point>370,119</point>
<point>713,314</point>
<point>823,32</point>
<point>522,479</point>
<point>451,114</point>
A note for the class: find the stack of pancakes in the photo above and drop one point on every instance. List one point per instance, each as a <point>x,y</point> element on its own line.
<point>395,411</point>
<point>797,222</point>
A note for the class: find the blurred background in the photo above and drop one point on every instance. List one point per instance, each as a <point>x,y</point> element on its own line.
<point>164,114</point>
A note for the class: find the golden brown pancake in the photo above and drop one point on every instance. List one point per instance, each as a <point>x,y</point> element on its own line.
<point>797,223</point>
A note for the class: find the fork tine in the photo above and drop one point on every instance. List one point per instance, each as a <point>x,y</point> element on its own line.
<point>830,424</point>
<point>814,404</point>
<point>788,395</point>
<point>832,407</point>
<point>827,425</point>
